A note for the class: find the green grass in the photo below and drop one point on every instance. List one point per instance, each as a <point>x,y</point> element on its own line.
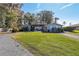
<point>48,44</point>
<point>75,32</point>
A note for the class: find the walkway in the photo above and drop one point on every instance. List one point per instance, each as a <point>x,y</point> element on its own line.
<point>9,47</point>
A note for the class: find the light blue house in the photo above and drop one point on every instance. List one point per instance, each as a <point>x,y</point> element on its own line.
<point>38,25</point>
<point>54,27</point>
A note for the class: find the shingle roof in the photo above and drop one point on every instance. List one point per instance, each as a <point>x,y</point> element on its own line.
<point>56,24</point>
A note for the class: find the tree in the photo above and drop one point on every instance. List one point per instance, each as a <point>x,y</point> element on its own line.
<point>13,15</point>
<point>64,23</point>
<point>70,24</point>
<point>3,11</point>
<point>10,15</point>
<point>46,16</point>
<point>29,17</point>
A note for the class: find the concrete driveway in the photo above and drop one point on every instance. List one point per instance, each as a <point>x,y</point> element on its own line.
<point>9,47</point>
<point>70,35</point>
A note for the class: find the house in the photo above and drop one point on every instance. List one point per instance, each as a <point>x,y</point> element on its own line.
<point>38,25</point>
<point>54,27</point>
<point>75,26</point>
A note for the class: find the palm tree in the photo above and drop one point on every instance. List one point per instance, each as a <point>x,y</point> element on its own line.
<point>70,24</point>
<point>64,23</point>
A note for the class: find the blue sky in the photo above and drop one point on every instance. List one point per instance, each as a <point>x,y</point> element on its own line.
<point>68,12</point>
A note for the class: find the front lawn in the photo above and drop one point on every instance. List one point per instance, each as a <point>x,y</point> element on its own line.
<point>48,44</point>
<point>75,32</point>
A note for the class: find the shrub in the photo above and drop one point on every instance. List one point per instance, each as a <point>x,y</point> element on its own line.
<point>70,29</point>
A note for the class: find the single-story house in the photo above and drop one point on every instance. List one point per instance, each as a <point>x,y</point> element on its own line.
<point>54,27</point>
<point>39,25</point>
<point>46,28</point>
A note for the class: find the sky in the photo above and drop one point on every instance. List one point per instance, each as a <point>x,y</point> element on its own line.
<point>68,12</point>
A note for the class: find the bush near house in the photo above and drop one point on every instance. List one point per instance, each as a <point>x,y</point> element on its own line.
<point>70,29</point>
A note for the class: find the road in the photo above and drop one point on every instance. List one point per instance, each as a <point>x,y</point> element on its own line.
<point>9,47</point>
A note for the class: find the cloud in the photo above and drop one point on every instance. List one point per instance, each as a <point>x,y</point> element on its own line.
<point>65,6</point>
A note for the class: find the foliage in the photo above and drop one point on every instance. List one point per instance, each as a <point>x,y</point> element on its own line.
<point>64,23</point>
<point>29,17</point>
<point>10,14</point>
<point>68,29</point>
<point>46,16</point>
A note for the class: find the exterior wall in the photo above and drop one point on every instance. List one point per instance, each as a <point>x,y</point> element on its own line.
<point>29,28</point>
<point>53,27</point>
<point>37,28</point>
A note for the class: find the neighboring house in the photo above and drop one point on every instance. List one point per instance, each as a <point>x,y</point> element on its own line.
<point>54,27</point>
<point>75,26</point>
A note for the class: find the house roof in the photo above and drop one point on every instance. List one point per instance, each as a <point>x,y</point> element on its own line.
<point>57,24</point>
